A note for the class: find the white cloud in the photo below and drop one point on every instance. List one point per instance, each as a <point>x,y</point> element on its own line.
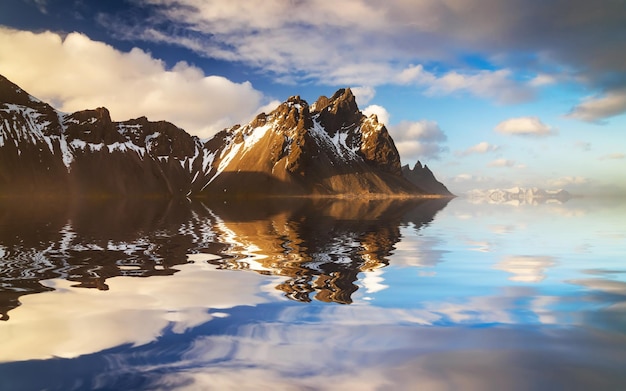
<point>363,95</point>
<point>497,85</point>
<point>379,111</point>
<point>569,180</point>
<point>360,44</point>
<point>502,163</point>
<point>463,177</point>
<point>542,79</point>
<point>524,126</point>
<point>269,107</point>
<point>367,42</point>
<point>613,156</point>
<point>76,73</point>
<point>597,108</point>
<point>418,140</point>
<point>480,148</point>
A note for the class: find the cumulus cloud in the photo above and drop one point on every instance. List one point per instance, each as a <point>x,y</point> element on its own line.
<point>79,73</point>
<point>524,126</point>
<point>363,95</point>
<point>418,140</point>
<point>379,111</point>
<point>502,163</point>
<point>480,148</point>
<point>597,108</point>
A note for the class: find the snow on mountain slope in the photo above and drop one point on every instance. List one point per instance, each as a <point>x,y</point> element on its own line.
<point>328,148</point>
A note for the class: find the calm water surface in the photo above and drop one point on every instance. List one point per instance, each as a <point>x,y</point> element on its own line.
<point>298,294</point>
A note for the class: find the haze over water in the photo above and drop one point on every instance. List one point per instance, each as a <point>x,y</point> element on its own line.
<point>313,294</point>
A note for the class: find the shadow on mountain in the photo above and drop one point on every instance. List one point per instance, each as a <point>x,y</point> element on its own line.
<point>319,245</point>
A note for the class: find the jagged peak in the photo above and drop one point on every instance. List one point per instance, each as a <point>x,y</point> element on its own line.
<point>343,100</point>
<point>374,118</point>
<point>320,104</point>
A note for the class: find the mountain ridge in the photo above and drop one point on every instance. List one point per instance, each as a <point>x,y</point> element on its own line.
<point>329,148</point>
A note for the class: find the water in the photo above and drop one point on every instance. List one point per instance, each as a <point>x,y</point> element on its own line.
<point>301,294</point>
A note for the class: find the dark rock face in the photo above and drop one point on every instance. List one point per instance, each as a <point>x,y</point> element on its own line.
<point>328,148</point>
<point>422,177</point>
<point>46,152</point>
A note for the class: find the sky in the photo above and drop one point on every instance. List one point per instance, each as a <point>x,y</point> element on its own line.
<point>487,93</point>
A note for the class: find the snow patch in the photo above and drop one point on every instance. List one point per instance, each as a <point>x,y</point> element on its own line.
<point>226,159</point>
<point>336,144</point>
<point>254,136</point>
<point>68,157</point>
<point>126,146</point>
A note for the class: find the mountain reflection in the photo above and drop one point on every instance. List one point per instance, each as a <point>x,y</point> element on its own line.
<point>320,245</point>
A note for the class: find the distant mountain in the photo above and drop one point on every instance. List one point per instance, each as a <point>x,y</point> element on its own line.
<point>422,177</point>
<point>519,194</point>
<point>329,148</point>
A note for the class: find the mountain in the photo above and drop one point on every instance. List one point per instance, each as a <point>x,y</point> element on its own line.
<point>523,195</point>
<point>422,177</point>
<point>328,148</point>
<point>46,152</point>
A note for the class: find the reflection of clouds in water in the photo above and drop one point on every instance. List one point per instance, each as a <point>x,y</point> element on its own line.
<point>564,211</point>
<point>372,281</point>
<point>418,250</point>
<point>526,268</point>
<point>68,321</point>
<point>64,322</point>
<point>364,347</point>
<point>607,302</point>
<point>391,356</point>
<point>603,285</point>
<point>480,246</point>
<point>502,229</point>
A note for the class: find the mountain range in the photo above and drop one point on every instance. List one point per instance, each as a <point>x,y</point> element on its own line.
<point>328,148</point>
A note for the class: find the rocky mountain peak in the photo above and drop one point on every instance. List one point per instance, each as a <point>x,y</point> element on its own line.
<point>338,112</point>
<point>328,148</point>
<point>422,177</point>
<point>292,114</point>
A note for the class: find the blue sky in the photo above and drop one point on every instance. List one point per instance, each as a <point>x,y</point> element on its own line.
<point>488,93</point>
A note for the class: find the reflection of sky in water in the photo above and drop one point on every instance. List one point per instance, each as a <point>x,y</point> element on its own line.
<point>484,297</point>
